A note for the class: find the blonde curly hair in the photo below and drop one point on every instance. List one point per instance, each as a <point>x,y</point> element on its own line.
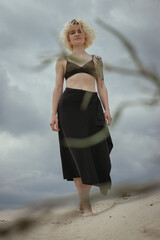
<point>86,29</point>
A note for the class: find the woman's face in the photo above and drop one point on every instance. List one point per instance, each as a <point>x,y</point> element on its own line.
<point>75,36</point>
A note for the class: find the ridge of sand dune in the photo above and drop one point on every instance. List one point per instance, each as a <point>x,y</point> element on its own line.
<point>131,218</point>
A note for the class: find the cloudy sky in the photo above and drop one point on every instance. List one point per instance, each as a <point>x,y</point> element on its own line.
<point>30,165</point>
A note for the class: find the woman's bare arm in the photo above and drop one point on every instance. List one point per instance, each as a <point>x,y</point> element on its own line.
<point>102,90</point>
<point>58,89</point>
<point>103,93</point>
<point>57,92</point>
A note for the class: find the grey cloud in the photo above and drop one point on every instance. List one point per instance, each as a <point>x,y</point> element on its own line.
<point>18,114</point>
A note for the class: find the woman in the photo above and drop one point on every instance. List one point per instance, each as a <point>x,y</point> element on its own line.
<point>77,114</point>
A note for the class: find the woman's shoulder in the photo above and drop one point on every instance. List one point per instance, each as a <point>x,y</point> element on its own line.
<point>61,60</point>
<point>97,58</point>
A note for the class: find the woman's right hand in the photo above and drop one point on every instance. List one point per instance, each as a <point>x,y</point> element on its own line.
<point>54,123</point>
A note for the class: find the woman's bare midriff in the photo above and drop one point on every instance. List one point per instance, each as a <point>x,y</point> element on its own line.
<point>81,81</point>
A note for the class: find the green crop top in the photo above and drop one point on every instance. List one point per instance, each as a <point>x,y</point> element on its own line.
<point>89,68</point>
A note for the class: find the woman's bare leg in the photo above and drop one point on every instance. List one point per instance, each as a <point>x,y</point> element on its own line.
<point>83,191</point>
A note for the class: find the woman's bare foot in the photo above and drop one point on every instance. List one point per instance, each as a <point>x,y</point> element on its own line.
<point>87,209</point>
<point>81,207</point>
<point>87,213</point>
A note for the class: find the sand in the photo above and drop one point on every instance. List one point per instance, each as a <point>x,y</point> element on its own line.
<point>130,218</point>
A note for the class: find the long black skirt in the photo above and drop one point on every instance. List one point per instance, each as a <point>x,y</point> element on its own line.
<point>84,139</point>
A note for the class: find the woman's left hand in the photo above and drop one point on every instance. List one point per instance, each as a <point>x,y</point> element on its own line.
<point>108,118</point>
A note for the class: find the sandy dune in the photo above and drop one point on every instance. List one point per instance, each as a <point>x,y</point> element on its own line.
<point>131,218</point>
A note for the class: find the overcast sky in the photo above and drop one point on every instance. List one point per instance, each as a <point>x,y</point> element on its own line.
<point>30,165</point>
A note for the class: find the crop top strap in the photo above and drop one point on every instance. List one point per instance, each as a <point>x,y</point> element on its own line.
<point>65,57</point>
